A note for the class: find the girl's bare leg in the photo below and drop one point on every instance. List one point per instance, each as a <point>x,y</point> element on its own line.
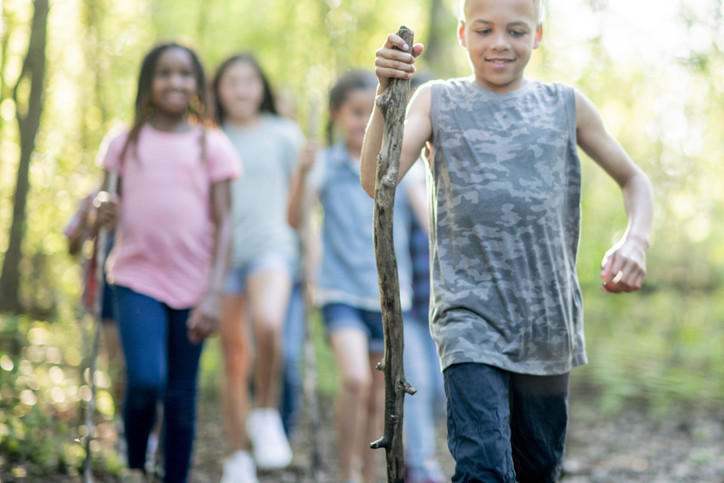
<point>375,418</point>
<point>350,350</point>
<point>268,294</point>
<point>238,354</point>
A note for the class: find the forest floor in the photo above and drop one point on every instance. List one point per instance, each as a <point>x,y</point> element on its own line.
<point>629,447</point>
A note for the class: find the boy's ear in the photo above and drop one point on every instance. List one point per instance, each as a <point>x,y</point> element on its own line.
<point>538,36</point>
<point>461,33</point>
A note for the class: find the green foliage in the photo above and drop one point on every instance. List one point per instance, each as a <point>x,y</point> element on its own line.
<point>326,367</point>
<point>660,347</point>
<point>663,349</point>
<point>43,394</point>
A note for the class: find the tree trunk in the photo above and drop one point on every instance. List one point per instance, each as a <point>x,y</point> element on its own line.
<point>3,56</point>
<point>28,112</point>
<point>392,103</point>
<point>436,53</point>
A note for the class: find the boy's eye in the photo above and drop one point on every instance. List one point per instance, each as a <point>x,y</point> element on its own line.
<point>517,33</point>
<point>483,31</point>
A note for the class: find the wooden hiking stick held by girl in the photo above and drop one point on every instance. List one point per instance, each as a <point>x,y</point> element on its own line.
<point>101,242</point>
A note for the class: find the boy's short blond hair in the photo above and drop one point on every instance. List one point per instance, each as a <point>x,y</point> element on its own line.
<point>536,3</point>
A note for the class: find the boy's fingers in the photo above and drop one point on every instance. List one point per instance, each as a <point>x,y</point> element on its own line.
<point>386,56</point>
<point>395,67</point>
<point>394,40</point>
<point>392,73</point>
<point>621,274</point>
<point>610,266</point>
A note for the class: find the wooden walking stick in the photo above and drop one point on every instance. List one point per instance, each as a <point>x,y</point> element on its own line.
<point>392,104</point>
<point>100,258</point>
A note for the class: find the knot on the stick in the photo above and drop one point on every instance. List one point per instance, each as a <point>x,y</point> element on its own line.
<point>389,179</point>
<point>409,389</point>
<point>384,100</point>
<point>383,442</point>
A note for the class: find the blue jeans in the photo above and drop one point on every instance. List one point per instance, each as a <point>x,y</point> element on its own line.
<point>294,331</point>
<point>422,370</point>
<point>505,427</point>
<point>161,365</point>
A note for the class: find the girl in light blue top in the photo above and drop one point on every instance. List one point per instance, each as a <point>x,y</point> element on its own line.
<point>346,286</point>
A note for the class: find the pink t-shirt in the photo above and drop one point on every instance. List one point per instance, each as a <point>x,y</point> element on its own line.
<point>165,238</point>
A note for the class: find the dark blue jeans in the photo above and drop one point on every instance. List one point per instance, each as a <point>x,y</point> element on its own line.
<point>505,427</point>
<point>293,385</point>
<point>161,365</point>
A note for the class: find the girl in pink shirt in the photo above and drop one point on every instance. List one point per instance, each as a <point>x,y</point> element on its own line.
<point>171,252</point>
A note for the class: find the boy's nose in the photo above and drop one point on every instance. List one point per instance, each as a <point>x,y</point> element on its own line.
<point>500,42</point>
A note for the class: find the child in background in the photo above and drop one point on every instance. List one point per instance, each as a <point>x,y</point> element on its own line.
<point>346,285</point>
<point>259,283</point>
<point>292,390</point>
<point>171,250</point>
<point>506,310</point>
<point>422,368</point>
<point>77,232</point>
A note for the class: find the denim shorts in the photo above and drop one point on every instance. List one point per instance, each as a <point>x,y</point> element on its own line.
<point>342,316</point>
<point>236,277</point>
<point>503,426</point>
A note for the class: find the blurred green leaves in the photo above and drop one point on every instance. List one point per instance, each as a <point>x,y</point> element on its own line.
<point>655,70</point>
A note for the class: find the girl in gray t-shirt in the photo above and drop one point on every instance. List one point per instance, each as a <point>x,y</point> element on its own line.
<point>259,282</point>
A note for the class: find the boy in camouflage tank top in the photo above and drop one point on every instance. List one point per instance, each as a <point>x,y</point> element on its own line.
<point>506,309</point>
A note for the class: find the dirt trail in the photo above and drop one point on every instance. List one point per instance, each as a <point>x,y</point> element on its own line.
<point>686,446</point>
<point>626,448</point>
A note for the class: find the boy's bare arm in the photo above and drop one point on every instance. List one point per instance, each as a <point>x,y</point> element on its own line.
<point>391,63</point>
<point>417,197</point>
<point>624,265</point>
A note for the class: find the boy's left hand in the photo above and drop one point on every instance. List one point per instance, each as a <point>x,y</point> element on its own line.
<point>204,318</point>
<point>624,266</point>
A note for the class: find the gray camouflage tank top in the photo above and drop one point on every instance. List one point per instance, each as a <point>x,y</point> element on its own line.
<point>506,217</point>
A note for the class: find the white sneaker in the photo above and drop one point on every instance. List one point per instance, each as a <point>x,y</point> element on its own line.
<point>239,468</point>
<point>152,457</point>
<point>269,442</point>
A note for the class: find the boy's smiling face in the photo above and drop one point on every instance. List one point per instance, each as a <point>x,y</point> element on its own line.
<point>500,36</point>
